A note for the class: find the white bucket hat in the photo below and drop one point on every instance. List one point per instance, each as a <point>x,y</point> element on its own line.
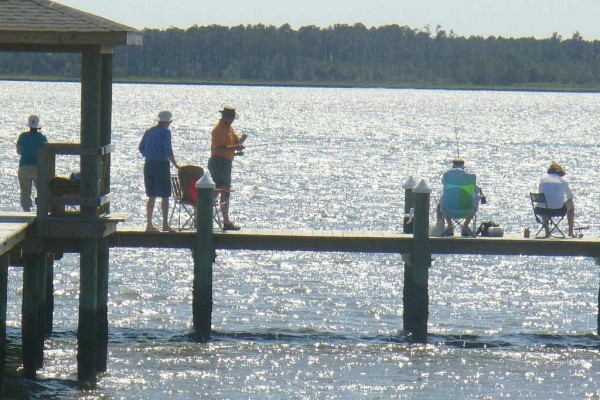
<point>33,121</point>
<point>165,116</point>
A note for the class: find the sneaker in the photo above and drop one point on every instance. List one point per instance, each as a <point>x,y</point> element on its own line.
<point>231,227</point>
<point>448,232</point>
<point>466,232</point>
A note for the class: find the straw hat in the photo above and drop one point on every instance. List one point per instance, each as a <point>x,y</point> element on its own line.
<point>228,111</point>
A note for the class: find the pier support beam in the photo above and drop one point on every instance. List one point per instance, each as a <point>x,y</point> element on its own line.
<point>33,336</point>
<point>407,227</point>
<point>49,305</point>
<point>4,261</point>
<point>102,313</point>
<point>91,87</point>
<point>421,262</point>
<point>88,309</point>
<point>203,260</point>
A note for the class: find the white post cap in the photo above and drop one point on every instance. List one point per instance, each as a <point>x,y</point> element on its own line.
<point>205,182</point>
<point>422,187</point>
<point>410,183</point>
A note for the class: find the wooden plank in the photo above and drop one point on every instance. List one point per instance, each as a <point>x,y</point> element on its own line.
<point>358,241</point>
<point>65,41</point>
<point>80,201</point>
<point>75,149</point>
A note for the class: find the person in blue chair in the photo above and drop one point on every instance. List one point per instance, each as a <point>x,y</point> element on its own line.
<point>558,195</point>
<point>458,168</point>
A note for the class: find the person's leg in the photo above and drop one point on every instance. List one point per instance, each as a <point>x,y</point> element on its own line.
<point>467,222</point>
<point>224,204</point>
<point>449,223</point>
<point>545,220</point>
<point>570,216</point>
<point>164,205</point>
<point>149,212</point>
<point>220,170</point>
<point>25,181</point>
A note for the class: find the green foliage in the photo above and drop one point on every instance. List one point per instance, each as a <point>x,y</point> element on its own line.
<point>390,55</point>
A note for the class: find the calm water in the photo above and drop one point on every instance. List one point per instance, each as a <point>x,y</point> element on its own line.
<point>328,326</point>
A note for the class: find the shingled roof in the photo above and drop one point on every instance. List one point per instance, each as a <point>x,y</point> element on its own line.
<point>47,23</point>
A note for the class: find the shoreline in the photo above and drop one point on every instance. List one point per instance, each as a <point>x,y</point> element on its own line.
<point>559,88</point>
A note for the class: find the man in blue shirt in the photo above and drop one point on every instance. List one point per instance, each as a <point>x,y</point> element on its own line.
<point>28,144</point>
<point>157,150</point>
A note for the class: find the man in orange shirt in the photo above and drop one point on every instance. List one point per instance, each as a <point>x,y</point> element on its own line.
<point>225,146</point>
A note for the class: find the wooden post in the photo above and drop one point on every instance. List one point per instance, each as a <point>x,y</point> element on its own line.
<point>102,314</point>
<point>29,314</point>
<point>88,310</point>
<point>49,312</point>
<point>421,261</point>
<point>408,288</point>
<point>41,308</point>
<point>4,262</point>
<point>105,122</point>
<point>88,277</point>
<point>408,204</point>
<point>203,260</point>
<point>408,296</point>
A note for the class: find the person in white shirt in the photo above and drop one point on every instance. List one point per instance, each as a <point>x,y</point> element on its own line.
<point>559,197</point>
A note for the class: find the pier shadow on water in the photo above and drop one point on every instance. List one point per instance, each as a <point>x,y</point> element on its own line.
<point>18,388</point>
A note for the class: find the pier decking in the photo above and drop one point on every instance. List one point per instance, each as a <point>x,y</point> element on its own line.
<point>358,242</point>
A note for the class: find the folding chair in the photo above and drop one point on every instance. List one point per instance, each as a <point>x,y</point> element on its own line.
<point>185,196</point>
<point>548,218</point>
<point>460,198</point>
<point>185,209</point>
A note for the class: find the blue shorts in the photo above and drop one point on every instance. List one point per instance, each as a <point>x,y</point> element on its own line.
<point>220,171</point>
<point>157,178</point>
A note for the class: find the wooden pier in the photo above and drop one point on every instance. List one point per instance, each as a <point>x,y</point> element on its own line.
<point>19,239</point>
<point>35,241</point>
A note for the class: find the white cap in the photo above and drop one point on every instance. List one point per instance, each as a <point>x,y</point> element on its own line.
<point>165,116</point>
<point>422,187</point>
<point>33,121</point>
<point>205,182</point>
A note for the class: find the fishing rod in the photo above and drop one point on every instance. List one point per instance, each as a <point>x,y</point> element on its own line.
<point>456,137</point>
<point>241,153</point>
<point>265,144</point>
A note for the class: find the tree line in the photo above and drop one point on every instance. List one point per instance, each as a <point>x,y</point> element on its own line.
<point>390,55</point>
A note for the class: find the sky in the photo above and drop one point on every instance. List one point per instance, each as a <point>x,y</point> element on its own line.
<point>507,18</point>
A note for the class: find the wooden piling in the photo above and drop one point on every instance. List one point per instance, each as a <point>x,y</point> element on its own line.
<point>421,261</point>
<point>105,122</point>
<point>102,313</point>
<point>49,311</point>
<point>41,308</point>
<point>203,260</point>
<point>408,288</point>
<point>408,296</point>
<point>88,310</point>
<point>408,186</point>
<point>4,262</point>
<point>90,140</point>
<point>29,314</point>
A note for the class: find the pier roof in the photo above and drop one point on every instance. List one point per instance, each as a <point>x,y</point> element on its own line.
<point>42,25</point>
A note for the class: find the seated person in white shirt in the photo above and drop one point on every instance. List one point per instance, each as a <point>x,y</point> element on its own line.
<point>558,195</point>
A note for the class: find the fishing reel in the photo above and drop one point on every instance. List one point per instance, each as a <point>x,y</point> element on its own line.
<point>239,153</point>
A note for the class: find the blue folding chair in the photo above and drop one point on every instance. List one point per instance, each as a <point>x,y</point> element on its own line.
<point>460,198</point>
